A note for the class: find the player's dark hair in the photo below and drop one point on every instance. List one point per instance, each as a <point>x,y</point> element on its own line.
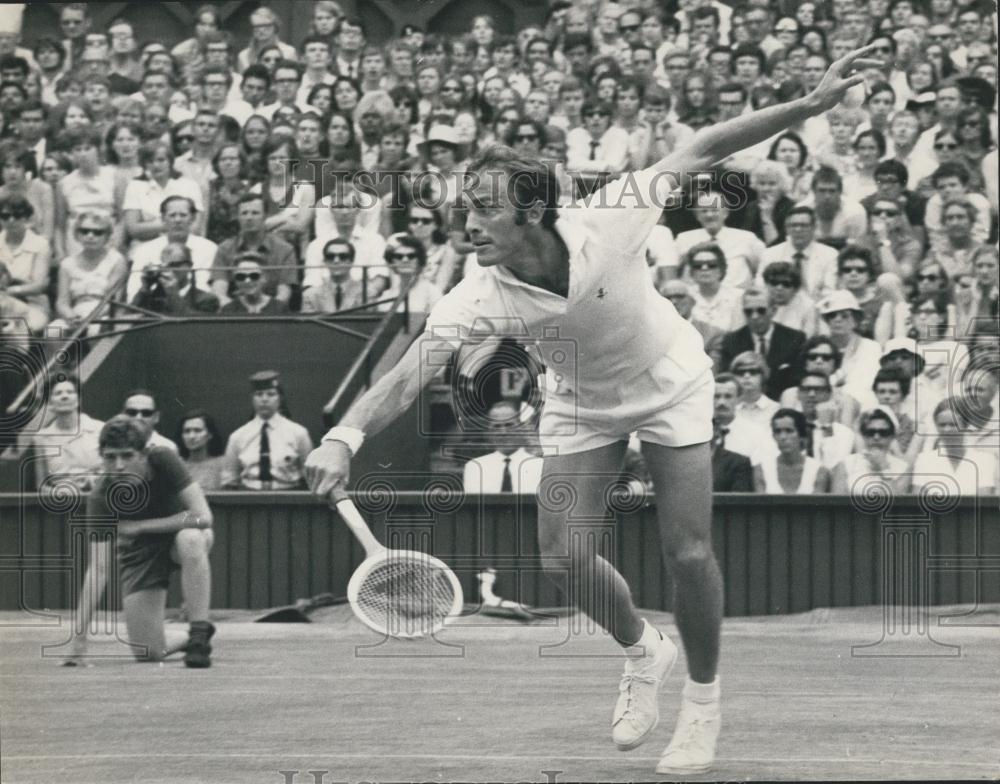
<point>529,180</point>
<point>124,432</point>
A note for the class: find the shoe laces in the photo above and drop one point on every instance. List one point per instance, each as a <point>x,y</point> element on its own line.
<point>626,687</point>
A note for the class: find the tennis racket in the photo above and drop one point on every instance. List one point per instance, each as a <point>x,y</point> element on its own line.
<point>399,593</point>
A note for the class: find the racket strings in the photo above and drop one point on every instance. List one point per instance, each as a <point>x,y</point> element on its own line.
<point>406,595</point>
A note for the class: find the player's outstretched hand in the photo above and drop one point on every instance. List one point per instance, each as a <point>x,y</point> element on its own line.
<point>328,469</point>
<point>842,75</point>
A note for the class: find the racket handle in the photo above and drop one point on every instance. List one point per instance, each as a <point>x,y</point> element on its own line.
<point>358,526</point>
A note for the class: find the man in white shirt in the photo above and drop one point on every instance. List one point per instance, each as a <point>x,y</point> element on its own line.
<point>597,147</point>
<point>316,56</point>
<point>741,434</point>
<point>509,468</point>
<point>816,262</point>
<point>178,213</point>
<point>140,404</point>
<point>216,86</point>
<point>838,220</point>
<point>286,80</point>
<point>744,250</point>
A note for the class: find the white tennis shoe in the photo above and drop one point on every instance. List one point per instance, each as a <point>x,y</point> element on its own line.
<point>636,711</point>
<point>692,748</point>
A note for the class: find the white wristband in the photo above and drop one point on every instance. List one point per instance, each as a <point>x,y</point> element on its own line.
<point>351,436</point>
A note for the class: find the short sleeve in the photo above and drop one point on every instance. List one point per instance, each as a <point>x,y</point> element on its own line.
<point>170,468</point>
<point>623,213</point>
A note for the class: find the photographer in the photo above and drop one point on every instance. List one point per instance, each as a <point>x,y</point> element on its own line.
<point>169,286</point>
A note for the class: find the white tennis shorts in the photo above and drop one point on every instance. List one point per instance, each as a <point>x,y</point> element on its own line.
<point>669,403</point>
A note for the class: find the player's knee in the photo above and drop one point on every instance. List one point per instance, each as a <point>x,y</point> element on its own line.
<point>190,544</point>
<point>690,555</point>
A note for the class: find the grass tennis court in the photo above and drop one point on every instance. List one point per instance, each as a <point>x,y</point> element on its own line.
<point>286,697</point>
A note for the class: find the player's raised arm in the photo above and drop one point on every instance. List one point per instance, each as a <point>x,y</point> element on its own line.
<point>327,468</point>
<point>717,142</point>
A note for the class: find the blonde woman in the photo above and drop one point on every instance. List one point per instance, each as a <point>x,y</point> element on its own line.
<point>772,182</point>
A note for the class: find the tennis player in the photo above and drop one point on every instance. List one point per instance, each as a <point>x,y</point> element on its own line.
<point>163,523</point>
<point>578,273</point>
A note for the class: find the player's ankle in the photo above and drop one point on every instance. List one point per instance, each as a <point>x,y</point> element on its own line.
<point>647,643</point>
<point>701,692</point>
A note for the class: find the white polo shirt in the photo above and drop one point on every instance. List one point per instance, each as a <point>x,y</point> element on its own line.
<point>613,325</point>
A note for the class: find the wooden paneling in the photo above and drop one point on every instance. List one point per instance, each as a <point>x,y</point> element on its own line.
<point>777,554</point>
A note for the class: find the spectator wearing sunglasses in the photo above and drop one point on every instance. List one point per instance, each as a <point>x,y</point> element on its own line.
<point>819,355</point>
<point>751,371</point>
<point>339,292</point>
<point>597,148</point>
<point>891,181</point>
<point>26,258</point>
<point>895,248</point>
<point>248,290</point>
<point>140,404</point>
<point>406,259</point>
<point>715,304</point>
<point>792,306</point>
<point>873,469</point>
<point>777,344</point>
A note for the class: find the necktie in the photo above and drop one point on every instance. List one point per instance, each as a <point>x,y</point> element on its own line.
<point>264,464</point>
<point>338,296</point>
<point>761,346</point>
<point>798,258</point>
<point>506,484</point>
<point>810,433</point>
<point>594,144</point>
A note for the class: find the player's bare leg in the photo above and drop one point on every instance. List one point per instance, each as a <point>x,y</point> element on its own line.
<point>144,619</point>
<point>190,551</point>
<point>597,587</point>
<point>682,480</point>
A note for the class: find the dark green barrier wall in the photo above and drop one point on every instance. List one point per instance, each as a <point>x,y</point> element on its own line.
<point>778,554</point>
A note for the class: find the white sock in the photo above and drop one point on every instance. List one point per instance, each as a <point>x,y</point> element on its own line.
<point>647,644</point>
<point>701,692</point>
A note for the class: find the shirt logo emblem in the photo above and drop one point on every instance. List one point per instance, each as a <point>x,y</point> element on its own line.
<point>601,293</point>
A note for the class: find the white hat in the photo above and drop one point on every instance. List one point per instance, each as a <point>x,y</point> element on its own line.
<point>443,134</point>
<point>840,299</point>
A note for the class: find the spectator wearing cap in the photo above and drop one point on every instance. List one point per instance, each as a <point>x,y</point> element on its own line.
<point>247,285</point>
<point>252,239</point>
<point>874,468</point>
<point>177,214</point>
<point>752,373</point>
<point>789,470</point>
<point>792,306</point>
<point>269,451</point>
<point>972,471</point>
<point>815,262</point>
<point>597,148</point>
<point>860,356</point>
<point>951,181</point>
<point>27,259</point>
<point>441,152</point>
<point>339,291</point>
<point>838,220</point>
<point>679,294</point>
<point>778,345</point>
<point>170,288</point>
<point>743,249</point>
<point>140,404</point>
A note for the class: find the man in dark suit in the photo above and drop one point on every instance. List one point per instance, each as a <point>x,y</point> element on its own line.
<point>170,289</point>
<point>779,345</point>
<point>731,471</point>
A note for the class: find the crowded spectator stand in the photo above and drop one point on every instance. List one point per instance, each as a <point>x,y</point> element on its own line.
<point>299,166</point>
